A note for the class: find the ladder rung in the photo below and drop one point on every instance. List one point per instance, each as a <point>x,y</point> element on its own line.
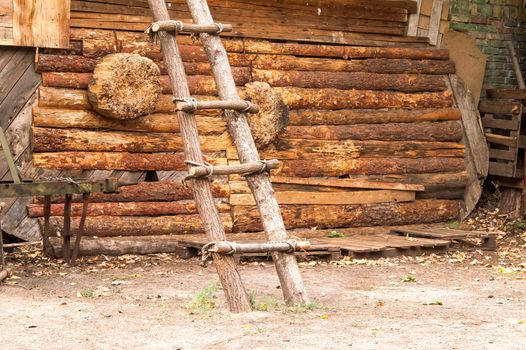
<point>191,105</point>
<point>243,169</point>
<point>225,247</point>
<point>178,27</point>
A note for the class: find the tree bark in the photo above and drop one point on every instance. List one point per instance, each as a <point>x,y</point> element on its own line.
<point>113,226</point>
<point>235,293</point>
<point>109,161</point>
<point>353,116</point>
<point>83,64</point>
<point>125,209</point>
<point>426,131</point>
<point>204,85</point>
<point>295,98</point>
<point>85,119</point>
<point>337,166</point>
<point>300,98</point>
<point>308,149</point>
<point>59,140</point>
<point>246,218</point>
<point>160,191</point>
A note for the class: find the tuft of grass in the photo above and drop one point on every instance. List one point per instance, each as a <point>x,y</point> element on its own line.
<point>453,225</point>
<point>335,234</point>
<point>265,303</point>
<point>87,293</point>
<point>408,278</point>
<point>299,308</point>
<point>206,299</point>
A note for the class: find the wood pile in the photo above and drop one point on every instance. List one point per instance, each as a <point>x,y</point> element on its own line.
<point>374,136</point>
<point>503,114</point>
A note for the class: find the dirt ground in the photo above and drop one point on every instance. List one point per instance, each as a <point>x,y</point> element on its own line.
<point>463,300</point>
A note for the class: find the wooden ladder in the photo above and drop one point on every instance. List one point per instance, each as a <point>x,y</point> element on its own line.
<point>255,170</point>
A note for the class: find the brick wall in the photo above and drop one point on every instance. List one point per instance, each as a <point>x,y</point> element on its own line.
<point>492,23</point>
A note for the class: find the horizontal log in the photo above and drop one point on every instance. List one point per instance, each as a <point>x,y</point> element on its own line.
<point>158,191</point>
<point>198,84</point>
<point>124,209</point>
<point>113,226</point>
<point>203,84</point>
<point>369,65</point>
<point>300,98</point>
<point>430,181</point>
<point>296,98</point>
<point>125,245</point>
<point>305,149</point>
<point>83,64</point>
<point>78,99</point>
<point>347,183</point>
<point>60,140</point>
<point>110,161</point>
<point>352,116</point>
<point>98,47</point>
<point>351,80</point>
<point>336,166</point>
<point>246,218</point>
<point>85,119</point>
<point>424,131</point>
<point>354,197</point>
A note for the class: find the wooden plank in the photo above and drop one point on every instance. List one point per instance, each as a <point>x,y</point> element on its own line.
<point>505,94</point>
<point>434,23</point>
<point>489,121</point>
<point>503,154</point>
<point>509,141</point>
<point>500,106</point>
<point>502,169</point>
<point>412,25</point>
<point>347,183</point>
<point>41,23</point>
<point>356,197</point>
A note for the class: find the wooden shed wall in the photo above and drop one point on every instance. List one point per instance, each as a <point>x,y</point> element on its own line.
<point>382,114</point>
<point>19,82</point>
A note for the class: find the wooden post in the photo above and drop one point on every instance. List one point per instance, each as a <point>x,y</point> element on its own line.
<point>286,265</point>
<point>516,66</point>
<point>235,293</point>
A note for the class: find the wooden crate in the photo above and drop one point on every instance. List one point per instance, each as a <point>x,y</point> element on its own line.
<point>502,124</point>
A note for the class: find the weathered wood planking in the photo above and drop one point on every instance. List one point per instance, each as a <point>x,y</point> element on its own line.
<point>17,97</point>
<point>372,23</point>
<point>39,23</point>
<point>354,197</point>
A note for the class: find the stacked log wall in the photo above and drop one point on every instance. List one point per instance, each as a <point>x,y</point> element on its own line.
<point>381,116</point>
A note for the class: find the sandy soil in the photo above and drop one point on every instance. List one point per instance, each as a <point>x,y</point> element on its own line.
<point>449,302</point>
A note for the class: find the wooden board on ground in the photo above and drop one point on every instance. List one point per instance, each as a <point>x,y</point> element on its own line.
<point>481,239</point>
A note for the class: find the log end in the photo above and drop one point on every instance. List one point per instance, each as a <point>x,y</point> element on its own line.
<point>125,86</point>
<point>273,116</point>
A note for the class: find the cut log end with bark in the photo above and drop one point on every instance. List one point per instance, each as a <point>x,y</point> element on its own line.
<point>273,116</point>
<point>125,86</point>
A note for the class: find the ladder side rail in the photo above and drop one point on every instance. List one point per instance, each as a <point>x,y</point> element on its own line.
<point>287,268</point>
<point>235,293</point>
